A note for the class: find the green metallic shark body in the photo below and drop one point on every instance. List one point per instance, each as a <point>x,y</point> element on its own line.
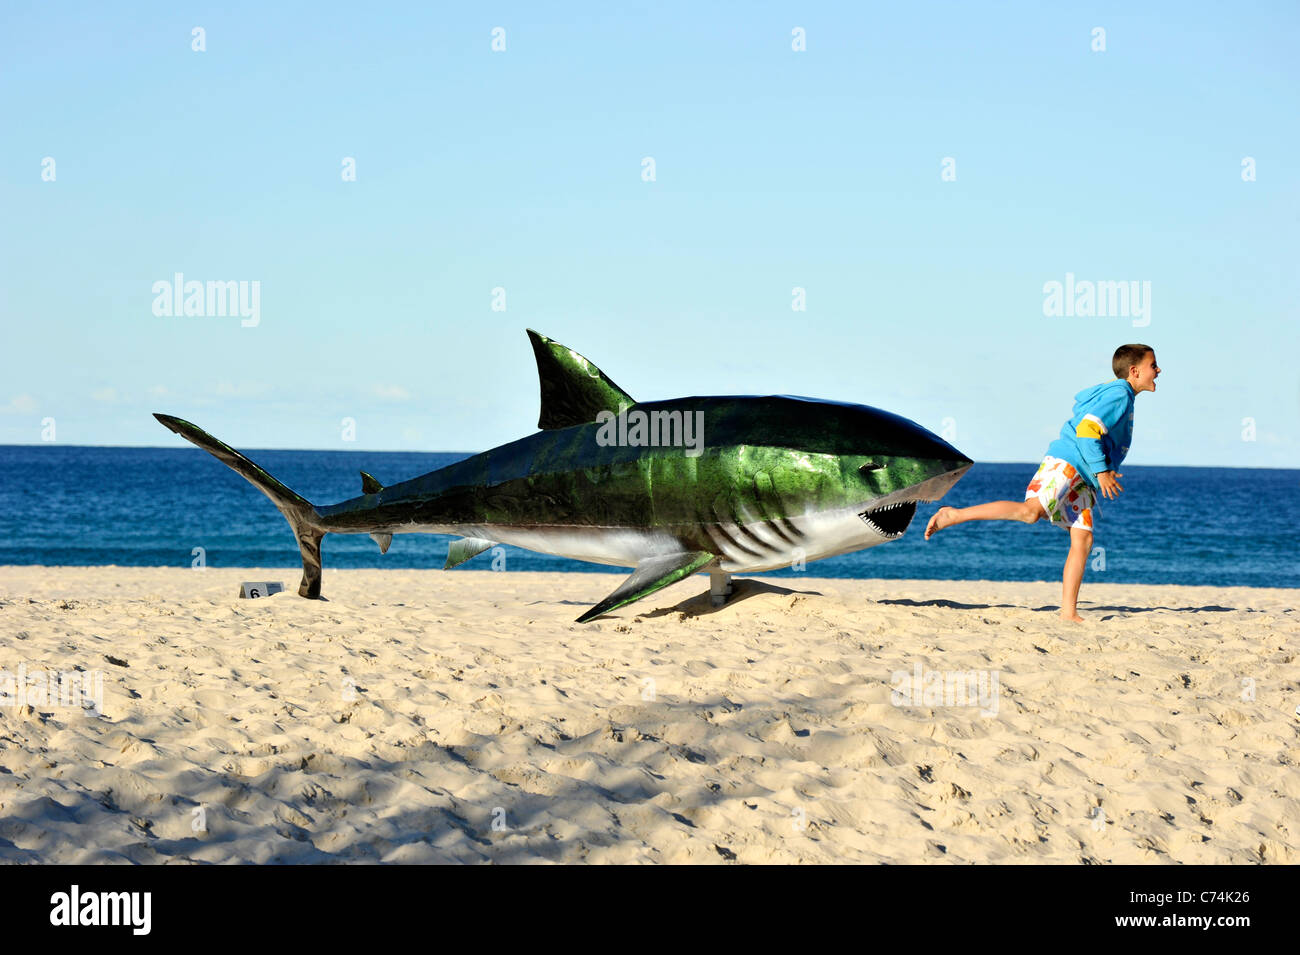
<point>771,481</point>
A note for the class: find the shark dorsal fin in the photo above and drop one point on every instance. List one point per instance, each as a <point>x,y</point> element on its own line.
<point>369,485</point>
<point>574,390</point>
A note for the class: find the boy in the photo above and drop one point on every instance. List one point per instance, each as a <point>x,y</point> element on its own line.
<point>1080,462</point>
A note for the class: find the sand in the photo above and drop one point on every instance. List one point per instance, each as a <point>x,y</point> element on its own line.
<point>427,716</point>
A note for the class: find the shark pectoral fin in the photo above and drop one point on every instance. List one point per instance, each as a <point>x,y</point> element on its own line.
<point>383,540</point>
<point>651,574</point>
<point>369,485</point>
<point>465,548</point>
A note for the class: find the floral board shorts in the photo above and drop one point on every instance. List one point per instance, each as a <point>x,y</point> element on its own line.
<point>1069,500</point>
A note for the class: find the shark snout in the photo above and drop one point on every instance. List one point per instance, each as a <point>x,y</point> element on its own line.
<point>923,467</point>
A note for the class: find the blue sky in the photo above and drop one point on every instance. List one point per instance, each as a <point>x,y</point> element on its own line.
<point>522,169</point>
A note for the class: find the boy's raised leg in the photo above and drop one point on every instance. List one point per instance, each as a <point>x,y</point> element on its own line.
<point>1080,548</point>
<point>1027,511</point>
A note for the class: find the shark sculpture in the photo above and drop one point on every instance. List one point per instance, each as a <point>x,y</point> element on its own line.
<point>671,488</point>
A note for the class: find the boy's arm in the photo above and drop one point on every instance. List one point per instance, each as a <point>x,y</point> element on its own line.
<point>1097,421</point>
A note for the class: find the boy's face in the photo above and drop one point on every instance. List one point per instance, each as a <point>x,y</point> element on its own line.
<point>1142,376</point>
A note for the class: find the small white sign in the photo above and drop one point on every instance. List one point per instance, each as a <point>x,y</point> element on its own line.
<point>264,589</point>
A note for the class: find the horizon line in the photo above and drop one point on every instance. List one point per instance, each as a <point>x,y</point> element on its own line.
<point>158,447</point>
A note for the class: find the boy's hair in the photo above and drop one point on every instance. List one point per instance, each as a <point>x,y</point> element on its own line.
<point>1126,356</point>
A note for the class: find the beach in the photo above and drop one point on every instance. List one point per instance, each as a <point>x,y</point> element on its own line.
<point>423,716</point>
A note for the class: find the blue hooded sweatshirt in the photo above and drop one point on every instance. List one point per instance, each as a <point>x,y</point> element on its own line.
<point>1098,434</point>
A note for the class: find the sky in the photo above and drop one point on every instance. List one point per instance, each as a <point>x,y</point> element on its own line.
<point>649,185</point>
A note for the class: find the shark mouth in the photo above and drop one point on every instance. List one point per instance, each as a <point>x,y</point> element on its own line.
<point>891,520</point>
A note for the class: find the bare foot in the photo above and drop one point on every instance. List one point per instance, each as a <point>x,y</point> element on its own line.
<point>1072,618</point>
<point>938,522</point>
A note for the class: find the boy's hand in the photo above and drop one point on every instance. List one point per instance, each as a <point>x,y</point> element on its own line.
<point>1110,488</point>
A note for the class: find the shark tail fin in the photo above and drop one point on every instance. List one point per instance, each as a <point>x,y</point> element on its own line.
<point>297,510</point>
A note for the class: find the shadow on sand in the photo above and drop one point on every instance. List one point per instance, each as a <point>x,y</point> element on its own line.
<point>697,606</point>
<point>1083,605</point>
<point>701,605</point>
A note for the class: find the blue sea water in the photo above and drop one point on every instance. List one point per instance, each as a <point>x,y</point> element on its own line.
<point>64,505</point>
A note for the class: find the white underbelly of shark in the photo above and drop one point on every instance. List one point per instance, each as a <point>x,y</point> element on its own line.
<point>741,548</point>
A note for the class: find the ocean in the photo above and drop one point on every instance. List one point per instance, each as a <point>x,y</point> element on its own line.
<point>153,507</point>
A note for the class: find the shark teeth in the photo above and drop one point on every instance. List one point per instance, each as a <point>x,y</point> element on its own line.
<point>891,520</point>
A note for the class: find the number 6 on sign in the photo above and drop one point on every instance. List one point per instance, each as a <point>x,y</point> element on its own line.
<point>260,589</point>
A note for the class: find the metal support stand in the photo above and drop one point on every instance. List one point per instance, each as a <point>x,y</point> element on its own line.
<point>719,587</point>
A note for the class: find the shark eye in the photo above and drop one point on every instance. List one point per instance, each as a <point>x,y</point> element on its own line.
<point>871,466</point>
